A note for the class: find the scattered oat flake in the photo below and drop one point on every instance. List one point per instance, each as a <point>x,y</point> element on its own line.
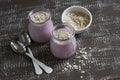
<point>65,69</point>
<point>67,63</point>
<point>85,53</point>
<point>79,68</point>
<point>74,63</point>
<point>82,51</point>
<point>82,71</point>
<point>81,76</point>
<point>83,64</point>
<point>75,66</point>
<point>84,56</point>
<point>62,70</point>
<point>78,56</point>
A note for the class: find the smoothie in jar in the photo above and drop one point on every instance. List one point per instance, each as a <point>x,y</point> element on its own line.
<point>40,25</point>
<point>63,42</point>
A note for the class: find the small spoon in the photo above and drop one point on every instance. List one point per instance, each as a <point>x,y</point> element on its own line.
<point>18,47</point>
<point>25,39</point>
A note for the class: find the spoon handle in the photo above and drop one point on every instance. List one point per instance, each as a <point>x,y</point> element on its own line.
<point>38,70</point>
<point>42,65</point>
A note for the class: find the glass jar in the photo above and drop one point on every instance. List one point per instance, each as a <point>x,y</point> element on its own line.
<point>63,42</point>
<point>40,25</point>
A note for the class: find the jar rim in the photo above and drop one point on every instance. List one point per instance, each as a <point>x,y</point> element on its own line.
<point>63,25</point>
<point>36,10</point>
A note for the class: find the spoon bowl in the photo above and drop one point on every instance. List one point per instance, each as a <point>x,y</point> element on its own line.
<point>18,47</point>
<point>25,38</point>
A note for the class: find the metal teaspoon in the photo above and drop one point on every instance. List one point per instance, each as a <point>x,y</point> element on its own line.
<point>24,38</point>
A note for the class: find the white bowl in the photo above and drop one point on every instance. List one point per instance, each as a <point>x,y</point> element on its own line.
<point>81,9</point>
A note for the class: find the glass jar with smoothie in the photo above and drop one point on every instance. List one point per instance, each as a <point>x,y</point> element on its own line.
<point>63,42</point>
<point>40,25</point>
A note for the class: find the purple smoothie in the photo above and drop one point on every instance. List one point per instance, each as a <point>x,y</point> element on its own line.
<point>40,30</point>
<point>63,48</point>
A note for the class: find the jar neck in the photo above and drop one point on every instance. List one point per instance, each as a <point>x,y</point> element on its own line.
<point>67,28</point>
<point>62,40</point>
<point>46,11</point>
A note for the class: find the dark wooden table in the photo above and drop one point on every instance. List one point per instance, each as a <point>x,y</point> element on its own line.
<point>100,44</point>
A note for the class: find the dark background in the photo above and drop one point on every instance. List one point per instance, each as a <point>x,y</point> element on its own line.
<point>101,42</point>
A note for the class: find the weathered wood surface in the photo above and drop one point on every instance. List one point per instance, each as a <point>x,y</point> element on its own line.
<point>101,42</point>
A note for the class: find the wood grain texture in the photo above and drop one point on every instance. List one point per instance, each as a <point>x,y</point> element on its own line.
<point>100,43</point>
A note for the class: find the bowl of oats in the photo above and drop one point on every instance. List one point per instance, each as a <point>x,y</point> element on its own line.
<point>78,17</point>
